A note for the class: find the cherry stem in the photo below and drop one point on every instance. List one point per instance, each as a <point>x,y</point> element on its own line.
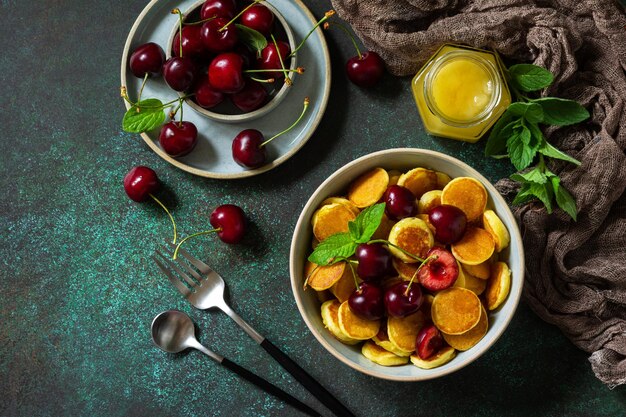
<point>180,30</point>
<point>282,64</point>
<point>306,106</point>
<point>169,215</point>
<point>299,70</point>
<point>206,232</point>
<point>342,27</point>
<point>179,107</point>
<point>356,281</point>
<point>430,258</point>
<point>200,21</point>
<point>143,84</point>
<point>327,15</point>
<point>409,254</point>
<point>240,13</point>
<point>259,80</point>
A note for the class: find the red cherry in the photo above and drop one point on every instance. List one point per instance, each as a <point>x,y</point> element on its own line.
<point>367,301</point>
<point>428,341</point>
<point>259,18</point>
<point>247,149</point>
<point>366,71</point>
<point>147,58</point>
<point>399,202</point>
<point>179,73</point>
<point>206,96</point>
<point>401,303</point>
<point>449,221</point>
<point>219,8</point>
<point>232,222</point>
<point>225,73</point>
<point>178,138</point>
<point>441,273</point>
<point>269,59</point>
<point>217,40</point>
<point>374,261</point>
<point>193,46</point>
<point>140,182</point>
<point>251,97</point>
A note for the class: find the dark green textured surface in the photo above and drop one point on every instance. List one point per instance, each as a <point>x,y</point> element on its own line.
<point>78,289</point>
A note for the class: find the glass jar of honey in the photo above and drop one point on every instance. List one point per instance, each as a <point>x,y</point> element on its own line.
<point>461,92</point>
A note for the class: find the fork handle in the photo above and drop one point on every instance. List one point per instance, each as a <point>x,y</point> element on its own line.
<point>269,387</point>
<point>307,380</point>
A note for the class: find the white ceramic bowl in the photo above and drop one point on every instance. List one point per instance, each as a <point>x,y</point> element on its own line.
<point>335,185</point>
<point>226,112</point>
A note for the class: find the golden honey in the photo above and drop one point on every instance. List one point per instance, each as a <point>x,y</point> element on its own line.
<point>460,92</point>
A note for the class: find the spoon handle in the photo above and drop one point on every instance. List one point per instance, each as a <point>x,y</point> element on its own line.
<point>307,380</point>
<point>269,388</point>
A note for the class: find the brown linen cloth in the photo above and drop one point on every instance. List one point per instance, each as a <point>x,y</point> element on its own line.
<point>576,271</point>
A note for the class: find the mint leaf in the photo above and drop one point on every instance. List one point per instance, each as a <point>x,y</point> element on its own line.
<point>561,112</point>
<point>552,152</point>
<point>523,195</point>
<point>520,151</point>
<point>529,191</point>
<point>529,111</point>
<point>251,38</point>
<point>563,198</point>
<point>534,175</point>
<point>339,244</point>
<point>143,116</point>
<point>501,132</point>
<point>354,231</point>
<point>367,222</point>
<point>528,77</point>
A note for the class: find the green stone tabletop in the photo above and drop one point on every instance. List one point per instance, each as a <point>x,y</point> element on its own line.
<point>79,290</point>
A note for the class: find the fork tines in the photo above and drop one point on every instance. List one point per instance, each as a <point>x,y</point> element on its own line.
<point>182,280</point>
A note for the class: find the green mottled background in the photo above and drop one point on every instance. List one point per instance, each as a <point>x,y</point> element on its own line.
<point>78,289</point>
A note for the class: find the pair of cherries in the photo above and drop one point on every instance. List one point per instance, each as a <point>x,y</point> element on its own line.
<point>228,220</point>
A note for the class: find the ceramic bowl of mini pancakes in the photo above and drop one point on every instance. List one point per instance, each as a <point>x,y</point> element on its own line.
<point>470,315</point>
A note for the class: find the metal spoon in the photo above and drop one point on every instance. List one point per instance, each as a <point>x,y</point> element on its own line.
<point>173,331</point>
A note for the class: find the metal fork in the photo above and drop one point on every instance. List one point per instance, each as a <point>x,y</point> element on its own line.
<point>206,290</point>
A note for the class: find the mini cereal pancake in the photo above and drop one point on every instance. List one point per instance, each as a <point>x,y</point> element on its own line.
<point>412,235</point>
<point>394,176</point>
<point>419,181</point>
<point>331,219</point>
<point>405,270</point>
<point>390,282</point>
<point>498,286</point>
<point>314,243</point>
<point>494,225</point>
<point>330,318</point>
<point>442,179</point>
<point>343,288</point>
<point>482,270</point>
<point>455,310</point>
<point>341,200</point>
<point>354,326</point>
<point>368,188</point>
<point>468,194</point>
<point>381,356</point>
<point>323,296</point>
<point>460,280</point>
<point>475,247</point>
<point>468,339</point>
<point>429,200</point>
<point>427,221</point>
<point>382,340</point>
<point>475,285</point>
<point>323,277</point>
<point>445,355</point>
<point>403,331</point>
<point>384,228</point>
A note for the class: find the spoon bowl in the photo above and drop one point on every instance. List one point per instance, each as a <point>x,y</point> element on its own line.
<point>172,331</point>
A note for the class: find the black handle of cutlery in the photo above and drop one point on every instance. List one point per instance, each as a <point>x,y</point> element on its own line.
<point>307,380</point>
<point>269,388</point>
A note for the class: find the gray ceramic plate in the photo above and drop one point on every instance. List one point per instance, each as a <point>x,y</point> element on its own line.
<point>212,156</point>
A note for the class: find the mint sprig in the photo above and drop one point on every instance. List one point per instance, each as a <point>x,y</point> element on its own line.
<point>517,136</point>
<point>343,245</point>
<point>253,39</point>
<point>144,116</point>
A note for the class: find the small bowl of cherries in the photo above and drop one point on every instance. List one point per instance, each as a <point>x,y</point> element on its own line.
<point>244,48</point>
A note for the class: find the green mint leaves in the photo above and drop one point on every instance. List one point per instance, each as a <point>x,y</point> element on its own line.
<point>517,136</point>
<point>251,38</point>
<point>343,245</point>
<point>143,116</point>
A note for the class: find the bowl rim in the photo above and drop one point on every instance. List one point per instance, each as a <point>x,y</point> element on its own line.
<point>267,107</point>
<point>516,287</point>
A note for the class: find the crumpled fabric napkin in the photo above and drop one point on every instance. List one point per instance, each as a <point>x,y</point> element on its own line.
<point>576,271</point>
